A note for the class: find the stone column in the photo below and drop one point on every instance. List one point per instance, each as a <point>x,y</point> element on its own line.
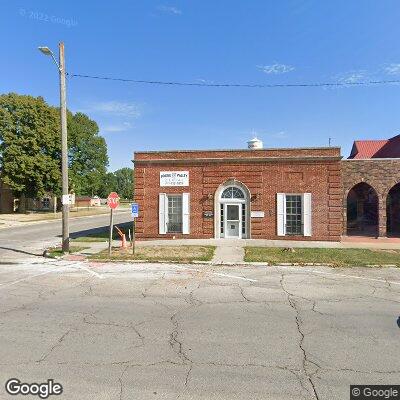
<point>382,231</point>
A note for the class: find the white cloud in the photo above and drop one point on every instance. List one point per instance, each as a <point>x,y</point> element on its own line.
<point>116,127</point>
<point>276,68</point>
<point>392,69</point>
<point>353,76</point>
<point>170,10</point>
<point>116,108</point>
<point>204,81</point>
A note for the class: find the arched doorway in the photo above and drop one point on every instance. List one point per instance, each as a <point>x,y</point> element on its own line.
<point>362,211</point>
<point>393,211</point>
<point>232,211</point>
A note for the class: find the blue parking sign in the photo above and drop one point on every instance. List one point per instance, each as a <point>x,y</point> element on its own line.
<point>135,210</point>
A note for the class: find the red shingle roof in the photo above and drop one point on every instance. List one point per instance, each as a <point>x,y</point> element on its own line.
<point>389,148</point>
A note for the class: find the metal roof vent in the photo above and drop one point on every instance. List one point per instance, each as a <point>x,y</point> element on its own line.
<point>255,144</point>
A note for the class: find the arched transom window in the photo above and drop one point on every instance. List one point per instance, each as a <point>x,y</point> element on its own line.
<point>232,193</point>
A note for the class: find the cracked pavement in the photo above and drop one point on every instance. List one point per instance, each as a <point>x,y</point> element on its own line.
<point>160,331</point>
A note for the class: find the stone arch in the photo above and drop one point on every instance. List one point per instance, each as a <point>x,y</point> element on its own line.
<point>246,201</point>
<point>393,211</point>
<point>362,210</point>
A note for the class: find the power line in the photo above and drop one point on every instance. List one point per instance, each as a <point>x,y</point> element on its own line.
<point>238,85</point>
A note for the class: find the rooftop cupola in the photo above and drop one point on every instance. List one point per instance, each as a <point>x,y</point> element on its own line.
<point>255,144</point>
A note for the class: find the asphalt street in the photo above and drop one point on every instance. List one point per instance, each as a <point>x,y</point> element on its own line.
<point>32,239</point>
<point>159,331</point>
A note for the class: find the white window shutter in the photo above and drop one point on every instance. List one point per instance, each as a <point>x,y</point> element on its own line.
<point>280,214</point>
<point>307,214</point>
<point>185,213</point>
<point>162,213</point>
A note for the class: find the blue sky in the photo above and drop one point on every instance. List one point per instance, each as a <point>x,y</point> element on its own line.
<point>212,41</point>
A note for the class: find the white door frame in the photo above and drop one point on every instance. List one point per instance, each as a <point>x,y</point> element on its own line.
<point>219,202</point>
<point>239,205</point>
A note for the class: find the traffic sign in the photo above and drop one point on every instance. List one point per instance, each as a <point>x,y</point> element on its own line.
<point>113,200</point>
<point>135,210</point>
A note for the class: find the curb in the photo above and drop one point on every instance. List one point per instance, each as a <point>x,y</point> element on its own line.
<point>107,260</point>
<point>242,264</point>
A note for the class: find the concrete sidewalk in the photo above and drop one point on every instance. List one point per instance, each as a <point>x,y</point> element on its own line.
<point>228,254</point>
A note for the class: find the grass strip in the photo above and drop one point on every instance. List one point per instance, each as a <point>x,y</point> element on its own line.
<point>335,257</point>
<point>160,253</point>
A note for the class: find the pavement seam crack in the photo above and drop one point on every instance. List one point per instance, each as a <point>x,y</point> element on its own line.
<point>121,383</point>
<point>188,374</point>
<point>57,344</point>
<point>176,345</point>
<point>293,304</point>
<point>242,294</point>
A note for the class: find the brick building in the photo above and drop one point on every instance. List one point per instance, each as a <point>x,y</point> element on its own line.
<point>371,188</point>
<point>251,193</point>
<point>296,194</point>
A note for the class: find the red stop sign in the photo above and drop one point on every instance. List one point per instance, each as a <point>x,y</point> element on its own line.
<point>113,200</point>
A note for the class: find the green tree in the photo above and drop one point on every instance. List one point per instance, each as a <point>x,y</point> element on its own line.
<point>30,148</point>
<point>120,181</point>
<point>124,179</point>
<point>30,145</point>
<point>87,153</point>
<point>109,184</point>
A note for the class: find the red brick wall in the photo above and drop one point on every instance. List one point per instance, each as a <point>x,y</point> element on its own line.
<point>321,178</point>
<point>243,153</point>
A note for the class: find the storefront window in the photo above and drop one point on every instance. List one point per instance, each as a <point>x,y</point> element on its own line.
<point>293,215</point>
<point>174,224</point>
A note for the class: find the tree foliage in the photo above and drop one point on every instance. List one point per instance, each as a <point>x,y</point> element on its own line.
<point>87,153</point>
<point>120,181</point>
<point>30,145</point>
<point>30,148</point>
<point>124,178</point>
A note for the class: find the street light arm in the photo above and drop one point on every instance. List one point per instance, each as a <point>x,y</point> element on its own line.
<point>55,62</point>
<point>46,51</point>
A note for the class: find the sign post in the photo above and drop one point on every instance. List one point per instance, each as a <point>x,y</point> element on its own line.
<point>135,214</point>
<point>113,203</point>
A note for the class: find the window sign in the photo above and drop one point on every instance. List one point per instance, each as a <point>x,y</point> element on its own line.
<point>174,178</point>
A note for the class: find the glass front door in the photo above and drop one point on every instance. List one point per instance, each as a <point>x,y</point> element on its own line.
<point>233,220</point>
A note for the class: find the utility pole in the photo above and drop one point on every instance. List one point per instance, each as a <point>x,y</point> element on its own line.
<point>64,152</point>
<point>64,142</point>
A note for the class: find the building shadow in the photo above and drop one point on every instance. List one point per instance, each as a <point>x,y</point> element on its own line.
<point>124,226</point>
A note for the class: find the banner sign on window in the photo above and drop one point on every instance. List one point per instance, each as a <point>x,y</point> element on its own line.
<point>174,178</point>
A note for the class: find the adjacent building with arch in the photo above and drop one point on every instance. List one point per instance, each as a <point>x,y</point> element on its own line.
<point>289,193</point>
<point>371,188</point>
